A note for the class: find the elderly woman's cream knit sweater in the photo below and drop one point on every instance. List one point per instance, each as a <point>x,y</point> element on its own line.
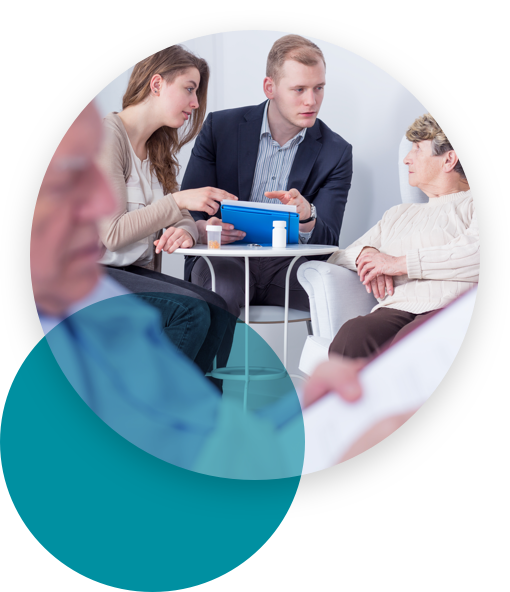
<point>442,248</point>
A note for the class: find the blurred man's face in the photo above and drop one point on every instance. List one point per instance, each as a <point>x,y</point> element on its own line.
<point>74,195</point>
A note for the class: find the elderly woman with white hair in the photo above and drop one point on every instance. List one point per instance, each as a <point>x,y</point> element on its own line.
<point>419,257</point>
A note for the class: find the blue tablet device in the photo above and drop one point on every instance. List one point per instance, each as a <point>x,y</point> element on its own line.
<point>257,221</point>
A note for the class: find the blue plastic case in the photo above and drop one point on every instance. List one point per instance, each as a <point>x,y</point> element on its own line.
<point>258,224</point>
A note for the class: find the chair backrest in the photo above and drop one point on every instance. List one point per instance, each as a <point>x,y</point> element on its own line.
<point>408,193</point>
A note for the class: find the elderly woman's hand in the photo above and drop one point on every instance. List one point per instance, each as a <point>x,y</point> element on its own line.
<point>372,264</point>
<point>381,284</point>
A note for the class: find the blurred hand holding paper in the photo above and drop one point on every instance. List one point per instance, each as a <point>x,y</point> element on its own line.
<point>397,382</point>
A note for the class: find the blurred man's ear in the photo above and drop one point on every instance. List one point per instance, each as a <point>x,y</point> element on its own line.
<point>450,159</point>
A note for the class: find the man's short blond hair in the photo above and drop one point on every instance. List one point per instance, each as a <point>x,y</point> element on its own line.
<point>292,47</point>
<point>427,128</point>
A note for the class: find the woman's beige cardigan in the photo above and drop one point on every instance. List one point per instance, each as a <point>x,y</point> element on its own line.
<point>123,227</point>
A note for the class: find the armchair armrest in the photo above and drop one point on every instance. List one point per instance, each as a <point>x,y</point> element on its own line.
<point>336,295</point>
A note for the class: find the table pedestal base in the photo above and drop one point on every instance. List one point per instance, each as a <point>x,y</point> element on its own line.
<point>247,374</point>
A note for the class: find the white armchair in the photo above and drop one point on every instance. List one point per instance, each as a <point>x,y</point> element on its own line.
<point>336,294</point>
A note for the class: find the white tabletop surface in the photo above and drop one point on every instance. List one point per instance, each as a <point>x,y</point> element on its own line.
<point>301,250</point>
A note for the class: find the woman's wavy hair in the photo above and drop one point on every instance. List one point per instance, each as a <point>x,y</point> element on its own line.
<point>165,142</point>
<point>427,128</point>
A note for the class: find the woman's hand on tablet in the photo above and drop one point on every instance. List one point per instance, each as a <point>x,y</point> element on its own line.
<point>205,199</point>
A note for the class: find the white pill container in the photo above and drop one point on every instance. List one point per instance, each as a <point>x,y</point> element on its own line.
<point>213,236</point>
<point>279,234</point>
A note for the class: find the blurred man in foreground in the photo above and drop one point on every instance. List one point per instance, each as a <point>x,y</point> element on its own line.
<point>74,195</point>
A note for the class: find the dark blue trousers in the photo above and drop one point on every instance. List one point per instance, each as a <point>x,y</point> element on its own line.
<point>196,320</point>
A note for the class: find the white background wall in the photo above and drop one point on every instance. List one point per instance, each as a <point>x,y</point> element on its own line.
<point>363,104</point>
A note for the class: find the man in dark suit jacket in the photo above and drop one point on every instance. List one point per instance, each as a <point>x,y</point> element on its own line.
<point>256,153</point>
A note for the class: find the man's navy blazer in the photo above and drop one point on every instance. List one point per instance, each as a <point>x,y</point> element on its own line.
<point>225,155</point>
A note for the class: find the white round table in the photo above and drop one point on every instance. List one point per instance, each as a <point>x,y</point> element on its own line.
<point>247,251</point>
<point>248,373</point>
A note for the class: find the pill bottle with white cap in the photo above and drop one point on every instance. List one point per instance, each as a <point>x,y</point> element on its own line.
<point>213,236</point>
<point>279,234</point>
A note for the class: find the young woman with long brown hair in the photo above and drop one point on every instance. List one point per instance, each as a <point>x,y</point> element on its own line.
<point>163,108</point>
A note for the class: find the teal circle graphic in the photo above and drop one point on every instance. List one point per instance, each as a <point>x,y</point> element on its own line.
<point>113,512</point>
<point>117,358</point>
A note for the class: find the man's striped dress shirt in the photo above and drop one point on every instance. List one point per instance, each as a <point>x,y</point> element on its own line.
<point>274,163</point>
